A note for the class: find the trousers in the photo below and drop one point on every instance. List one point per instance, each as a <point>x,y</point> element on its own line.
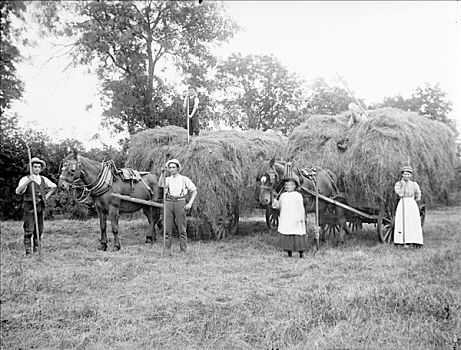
<point>29,223</point>
<point>175,214</point>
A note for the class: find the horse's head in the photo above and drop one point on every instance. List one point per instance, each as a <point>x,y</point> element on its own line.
<point>71,172</point>
<point>270,176</point>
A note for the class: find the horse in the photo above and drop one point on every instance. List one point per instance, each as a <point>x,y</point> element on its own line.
<point>100,181</point>
<point>271,175</point>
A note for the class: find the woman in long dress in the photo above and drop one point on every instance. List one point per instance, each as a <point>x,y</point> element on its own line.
<point>408,228</point>
<point>292,220</point>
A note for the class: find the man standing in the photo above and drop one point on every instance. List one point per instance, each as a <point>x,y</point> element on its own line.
<point>191,102</point>
<point>41,184</point>
<point>175,207</point>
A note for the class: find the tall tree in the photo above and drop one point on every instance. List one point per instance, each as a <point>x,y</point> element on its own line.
<point>11,87</point>
<point>258,92</point>
<point>324,99</point>
<point>131,42</point>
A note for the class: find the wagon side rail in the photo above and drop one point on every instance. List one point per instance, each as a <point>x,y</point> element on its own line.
<point>342,205</point>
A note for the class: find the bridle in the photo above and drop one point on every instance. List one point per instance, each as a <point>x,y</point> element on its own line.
<point>76,181</point>
<point>273,184</point>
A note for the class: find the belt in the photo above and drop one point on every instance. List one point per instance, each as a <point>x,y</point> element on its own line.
<point>174,198</point>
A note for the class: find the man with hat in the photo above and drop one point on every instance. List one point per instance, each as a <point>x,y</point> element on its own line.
<point>191,102</point>
<point>176,188</point>
<point>41,184</point>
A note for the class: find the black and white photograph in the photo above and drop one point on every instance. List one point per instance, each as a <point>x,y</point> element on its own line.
<point>241,175</point>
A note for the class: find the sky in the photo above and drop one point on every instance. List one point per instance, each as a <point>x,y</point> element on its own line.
<point>381,49</point>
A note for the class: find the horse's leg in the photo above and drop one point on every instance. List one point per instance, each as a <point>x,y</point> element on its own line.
<point>114,216</point>
<point>103,226</point>
<point>151,235</point>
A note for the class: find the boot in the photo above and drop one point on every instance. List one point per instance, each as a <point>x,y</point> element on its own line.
<point>27,244</point>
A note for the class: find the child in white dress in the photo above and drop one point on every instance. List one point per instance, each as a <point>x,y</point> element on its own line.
<point>292,221</point>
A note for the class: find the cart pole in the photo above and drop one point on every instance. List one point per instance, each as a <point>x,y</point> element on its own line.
<point>36,240</point>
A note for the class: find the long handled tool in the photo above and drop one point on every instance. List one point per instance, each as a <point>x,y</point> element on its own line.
<point>317,227</point>
<point>164,210</point>
<point>352,95</point>
<point>187,117</point>
<point>37,239</point>
<point>403,218</point>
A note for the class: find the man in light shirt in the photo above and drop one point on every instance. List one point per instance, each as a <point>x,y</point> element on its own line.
<point>41,185</point>
<point>176,189</point>
<point>191,100</point>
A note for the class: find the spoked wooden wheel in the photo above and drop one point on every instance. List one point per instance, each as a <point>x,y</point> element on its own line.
<point>228,226</point>
<point>386,227</point>
<point>332,229</point>
<point>272,217</point>
<point>354,226</point>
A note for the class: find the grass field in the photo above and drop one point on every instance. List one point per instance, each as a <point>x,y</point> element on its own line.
<point>240,293</point>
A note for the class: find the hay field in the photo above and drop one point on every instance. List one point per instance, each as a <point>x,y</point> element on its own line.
<point>239,293</point>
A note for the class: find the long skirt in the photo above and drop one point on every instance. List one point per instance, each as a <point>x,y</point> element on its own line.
<point>295,243</point>
<point>408,228</point>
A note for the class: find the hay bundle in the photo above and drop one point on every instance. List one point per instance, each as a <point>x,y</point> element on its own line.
<point>375,152</point>
<point>222,164</point>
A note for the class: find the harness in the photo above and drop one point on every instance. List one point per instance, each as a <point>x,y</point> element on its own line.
<point>181,196</point>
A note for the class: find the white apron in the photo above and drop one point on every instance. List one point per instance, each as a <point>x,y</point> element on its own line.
<point>407,213</point>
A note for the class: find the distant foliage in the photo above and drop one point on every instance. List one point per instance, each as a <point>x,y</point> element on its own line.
<point>130,42</point>
<point>11,86</point>
<point>258,93</point>
<point>324,99</point>
<point>14,165</point>
<point>428,101</point>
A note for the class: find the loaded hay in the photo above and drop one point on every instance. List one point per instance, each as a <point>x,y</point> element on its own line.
<point>368,156</point>
<point>222,164</point>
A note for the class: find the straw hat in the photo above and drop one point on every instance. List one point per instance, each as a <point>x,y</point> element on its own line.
<point>39,161</point>
<point>407,168</point>
<point>174,161</point>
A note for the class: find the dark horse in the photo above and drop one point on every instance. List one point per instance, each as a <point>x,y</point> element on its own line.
<point>270,178</point>
<point>100,181</point>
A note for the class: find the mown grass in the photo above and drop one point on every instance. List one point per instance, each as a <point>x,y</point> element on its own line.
<point>240,293</point>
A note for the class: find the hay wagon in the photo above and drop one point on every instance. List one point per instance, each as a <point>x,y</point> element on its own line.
<point>356,215</point>
<point>361,213</point>
<point>222,164</point>
<point>368,156</point>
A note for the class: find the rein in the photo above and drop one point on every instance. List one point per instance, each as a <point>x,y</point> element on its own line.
<point>95,188</point>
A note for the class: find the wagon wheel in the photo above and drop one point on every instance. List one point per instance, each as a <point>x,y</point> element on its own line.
<point>354,226</point>
<point>227,226</point>
<point>332,229</point>
<point>272,217</point>
<point>386,226</point>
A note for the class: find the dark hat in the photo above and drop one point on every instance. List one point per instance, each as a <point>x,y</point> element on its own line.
<point>39,161</point>
<point>407,168</point>
<point>294,179</point>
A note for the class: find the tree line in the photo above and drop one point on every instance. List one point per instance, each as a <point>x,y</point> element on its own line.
<point>129,45</point>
